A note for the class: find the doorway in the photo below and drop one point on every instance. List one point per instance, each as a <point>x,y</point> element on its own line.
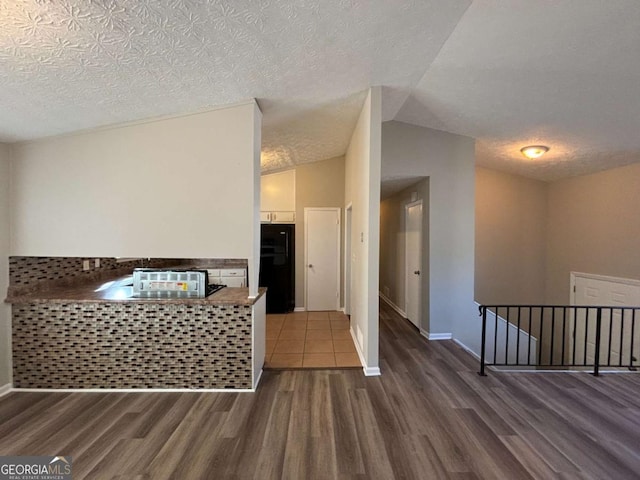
<point>322,258</point>
<point>413,261</point>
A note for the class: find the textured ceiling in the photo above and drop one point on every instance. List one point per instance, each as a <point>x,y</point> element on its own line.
<point>564,74</point>
<point>509,73</point>
<point>70,65</point>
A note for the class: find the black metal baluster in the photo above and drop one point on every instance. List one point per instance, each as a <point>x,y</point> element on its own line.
<point>553,333</point>
<point>529,339</point>
<point>596,361</point>
<point>495,338</point>
<point>574,334</point>
<point>483,311</point>
<point>621,345</point>
<point>633,333</point>
<point>586,338</point>
<point>611,310</point>
<point>506,348</point>
<point>518,340</point>
<point>564,332</point>
<point>540,342</point>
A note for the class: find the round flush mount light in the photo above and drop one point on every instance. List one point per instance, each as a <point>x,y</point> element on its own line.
<point>534,151</point>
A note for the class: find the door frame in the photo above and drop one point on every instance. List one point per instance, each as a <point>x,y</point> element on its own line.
<point>348,223</point>
<point>338,210</point>
<point>407,206</point>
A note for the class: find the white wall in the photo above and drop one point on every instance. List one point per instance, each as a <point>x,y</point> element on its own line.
<point>5,311</point>
<point>177,187</point>
<point>409,150</point>
<point>362,191</point>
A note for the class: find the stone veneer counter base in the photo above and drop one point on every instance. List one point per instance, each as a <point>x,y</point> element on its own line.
<point>81,337</point>
<point>132,345</point>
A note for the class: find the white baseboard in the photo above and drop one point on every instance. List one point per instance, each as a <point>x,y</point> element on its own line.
<point>299,309</point>
<point>255,384</point>
<point>392,305</point>
<point>372,371</point>
<point>467,349</point>
<point>440,336</point>
<point>4,389</point>
<point>435,336</point>
<point>368,371</point>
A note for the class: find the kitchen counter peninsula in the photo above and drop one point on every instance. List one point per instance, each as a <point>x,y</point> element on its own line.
<point>95,335</point>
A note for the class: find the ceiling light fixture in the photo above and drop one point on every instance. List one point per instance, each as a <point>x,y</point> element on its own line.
<point>534,151</point>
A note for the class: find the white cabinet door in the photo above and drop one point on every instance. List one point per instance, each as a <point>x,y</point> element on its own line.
<point>265,217</point>
<point>233,277</point>
<point>233,281</point>
<point>283,217</point>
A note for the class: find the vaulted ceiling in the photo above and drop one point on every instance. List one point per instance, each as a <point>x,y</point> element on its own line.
<point>506,72</point>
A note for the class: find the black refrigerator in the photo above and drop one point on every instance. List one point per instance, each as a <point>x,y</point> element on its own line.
<point>277,266</point>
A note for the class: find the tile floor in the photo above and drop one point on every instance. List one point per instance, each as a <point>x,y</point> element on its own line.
<point>310,340</point>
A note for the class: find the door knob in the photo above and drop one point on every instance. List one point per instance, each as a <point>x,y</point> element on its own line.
<point>417,272</point>
<point>310,266</point>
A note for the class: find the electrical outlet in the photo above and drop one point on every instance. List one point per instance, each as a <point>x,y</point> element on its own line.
<point>85,265</point>
<point>96,263</point>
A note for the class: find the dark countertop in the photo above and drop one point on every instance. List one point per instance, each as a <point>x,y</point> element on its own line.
<point>119,290</point>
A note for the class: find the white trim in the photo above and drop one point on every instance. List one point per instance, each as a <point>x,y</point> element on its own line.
<point>257,381</point>
<point>372,371</point>
<point>407,206</point>
<point>135,390</point>
<point>368,371</point>
<point>392,305</point>
<point>299,309</point>
<point>439,336</point>
<point>4,389</point>
<point>338,211</point>
<point>348,249</point>
<point>435,336</point>
<point>467,349</point>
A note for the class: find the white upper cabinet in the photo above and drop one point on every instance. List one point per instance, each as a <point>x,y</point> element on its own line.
<point>278,192</point>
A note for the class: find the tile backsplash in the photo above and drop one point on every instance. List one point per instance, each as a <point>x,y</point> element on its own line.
<point>41,273</point>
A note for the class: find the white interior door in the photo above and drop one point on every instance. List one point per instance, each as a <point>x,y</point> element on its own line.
<point>604,292</point>
<point>413,263</point>
<point>322,258</point>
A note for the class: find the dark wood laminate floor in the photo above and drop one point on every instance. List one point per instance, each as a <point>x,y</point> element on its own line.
<point>429,416</point>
